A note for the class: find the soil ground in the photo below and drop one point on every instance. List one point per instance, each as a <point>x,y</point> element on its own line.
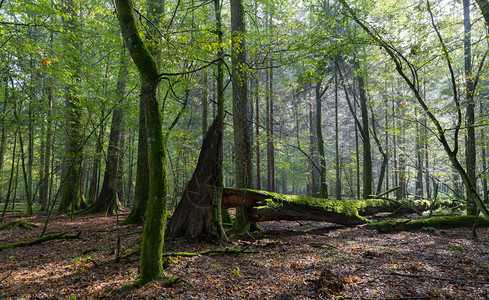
<point>293,260</point>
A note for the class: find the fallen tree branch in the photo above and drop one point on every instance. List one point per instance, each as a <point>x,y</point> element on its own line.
<point>56,236</point>
<point>207,252</point>
<point>436,278</point>
<point>438,222</point>
<point>5,277</point>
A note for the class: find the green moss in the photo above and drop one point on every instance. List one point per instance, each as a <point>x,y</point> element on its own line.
<point>438,223</point>
<point>341,207</point>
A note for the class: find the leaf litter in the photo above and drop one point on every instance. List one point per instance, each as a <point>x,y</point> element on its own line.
<point>293,260</point>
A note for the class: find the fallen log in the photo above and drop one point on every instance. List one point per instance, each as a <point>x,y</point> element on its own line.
<point>268,206</point>
<point>45,238</point>
<point>437,222</point>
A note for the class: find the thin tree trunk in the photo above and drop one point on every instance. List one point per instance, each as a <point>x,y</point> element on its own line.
<point>9,189</point>
<point>470,116</point>
<point>141,196</point>
<point>484,160</point>
<point>204,105</point>
<point>257,138</point>
<point>312,148</point>
<point>108,199</point>
<point>419,194</point>
<point>337,144</point>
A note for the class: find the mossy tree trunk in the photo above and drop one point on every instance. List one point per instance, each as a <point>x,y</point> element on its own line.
<point>154,13</point>
<point>151,265</point>
<point>108,199</point>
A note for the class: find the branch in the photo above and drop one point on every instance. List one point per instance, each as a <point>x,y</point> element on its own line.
<point>191,71</point>
<point>48,237</point>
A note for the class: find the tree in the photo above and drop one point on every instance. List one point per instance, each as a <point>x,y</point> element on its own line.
<point>155,12</point>
<point>399,60</point>
<point>151,264</point>
<point>198,214</point>
<point>470,154</point>
<point>108,198</point>
<point>241,119</point>
<point>72,194</point>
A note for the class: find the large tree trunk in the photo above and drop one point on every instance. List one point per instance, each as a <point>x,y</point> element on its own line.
<point>151,264</point>
<point>194,214</point>
<point>199,211</point>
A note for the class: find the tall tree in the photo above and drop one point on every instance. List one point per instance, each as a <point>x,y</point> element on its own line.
<point>72,194</point>
<point>151,264</point>
<point>108,199</point>
<point>470,154</point>
<point>241,118</point>
<point>155,12</point>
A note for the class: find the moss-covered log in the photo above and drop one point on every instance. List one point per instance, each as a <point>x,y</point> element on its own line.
<point>18,224</point>
<point>438,223</point>
<point>268,206</point>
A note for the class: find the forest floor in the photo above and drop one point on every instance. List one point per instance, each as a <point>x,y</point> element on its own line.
<point>293,260</point>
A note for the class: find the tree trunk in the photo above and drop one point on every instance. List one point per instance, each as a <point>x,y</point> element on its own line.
<point>241,122</point>
<point>43,193</point>
<point>484,160</point>
<point>312,150</point>
<point>419,194</point>
<point>367,152</point>
<point>267,206</point>
<point>141,196</point>
<point>323,187</point>
<point>337,144</point>
<point>151,265</point>
<point>470,154</point>
<point>257,138</point>
<point>108,199</point>
<point>194,215</point>
<point>72,197</point>
<point>204,106</point>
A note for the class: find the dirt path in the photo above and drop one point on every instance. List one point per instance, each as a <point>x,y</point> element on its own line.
<point>306,260</point>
